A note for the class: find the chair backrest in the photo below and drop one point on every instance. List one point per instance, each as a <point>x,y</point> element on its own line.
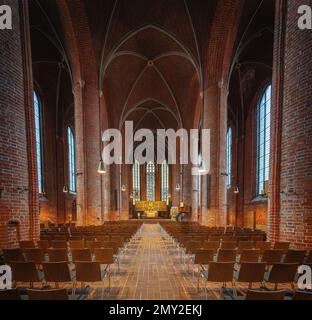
<point>220,272</point>
<point>88,271</point>
<point>15,255</point>
<point>25,272</point>
<point>81,255</point>
<point>249,256</point>
<point>246,245</point>
<point>60,237</point>
<point>203,256</point>
<point>56,272</point>
<point>265,295</point>
<point>77,244</point>
<point>57,255</point>
<point>211,245</point>
<point>110,244</point>
<point>295,256</point>
<point>226,255</point>
<point>27,244</point>
<point>53,294</point>
<point>102,238</point>
<point>43,244</point>
<point>228,245</point>
<point>11,294</point>
<point>35,255</point>
<point>263,245</point>
<point>104,255</point>
<point>283,273</point>
<point>272,256</point>
<point>251,272</point>
<point>59,244</point>
<point>309,257</point>
<point>192,246</point>
<point>92,244</point>
<point>302,295</point>
<point>284,246</point>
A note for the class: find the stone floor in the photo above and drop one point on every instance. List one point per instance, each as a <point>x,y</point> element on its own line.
<point>152,271</point>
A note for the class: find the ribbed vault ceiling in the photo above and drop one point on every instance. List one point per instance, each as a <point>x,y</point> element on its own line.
<point>150,65</point>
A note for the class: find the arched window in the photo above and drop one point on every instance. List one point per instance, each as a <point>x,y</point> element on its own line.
<point>136,182</point>
<point>71,160</point>
<point>165,181</point>
<point>264,140</point>
<point>150,181</point>
<point>229,157</point>
<point>38,133</point>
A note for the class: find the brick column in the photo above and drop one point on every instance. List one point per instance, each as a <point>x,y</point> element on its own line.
<point>18,182</point>
<point>292,119</point>
<point>215,120</point>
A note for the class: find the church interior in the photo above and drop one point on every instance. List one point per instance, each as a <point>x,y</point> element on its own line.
<point>73,226</point>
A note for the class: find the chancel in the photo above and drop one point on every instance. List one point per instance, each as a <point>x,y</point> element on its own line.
<point>155,150</point>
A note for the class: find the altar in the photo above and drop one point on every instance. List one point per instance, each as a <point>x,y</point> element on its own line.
<point>151,209</point>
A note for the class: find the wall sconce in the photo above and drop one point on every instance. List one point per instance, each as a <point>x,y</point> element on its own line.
<point>178,188</point>
<point>123,188</point>
<point>65,190</point>
<point>202,170</point>
<point>236,190</point>
<point>101,168</point>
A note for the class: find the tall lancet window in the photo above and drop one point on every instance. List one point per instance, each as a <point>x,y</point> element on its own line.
<point>150,182</point>
<point>264,140</point>
<point>229,157</point>
<point>71,160</point>
<point>165,181</point>
<point>38,134</point>
<point>136,182</point>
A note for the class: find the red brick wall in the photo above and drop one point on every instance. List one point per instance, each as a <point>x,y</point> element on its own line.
<point>296,155</point>
<point>17,200</point>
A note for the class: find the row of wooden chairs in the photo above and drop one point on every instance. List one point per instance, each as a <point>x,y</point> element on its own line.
<point>82,267</point>
<point>248,273</point>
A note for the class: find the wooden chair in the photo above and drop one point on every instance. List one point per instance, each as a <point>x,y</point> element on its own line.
<point>272,256</point>
<point>282,273</point>
<point>211,245</point>
<point>284,246</point>
<point>35,255</point>
<point>226,255</point>
<point>220,272</point>
<point>105,256</point>
<point>263,246</point>
<point>265,295</point>
<point>295,256</point>
<point>59,272</point>
<point>82,255</point>
<point>43,245</point>
<point>59,244</point>
<point>54,294</point>
<point>249,256</point>
<point>57,255</point>
<point>228,245</point>
<point>27,244</point>
<point>25,272</point>
<point>245,245</point>
<point>11,255</point>
<point>77,244</point>
<point>202,257</point>
<point>90,272</point>
<point>249,272</point>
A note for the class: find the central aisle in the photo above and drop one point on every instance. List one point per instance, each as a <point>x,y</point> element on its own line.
<point>151,272</point>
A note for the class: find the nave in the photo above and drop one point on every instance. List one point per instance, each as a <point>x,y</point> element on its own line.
<point>154,261</point>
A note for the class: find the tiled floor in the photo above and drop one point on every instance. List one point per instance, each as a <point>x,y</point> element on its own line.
<point>151,271</point>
